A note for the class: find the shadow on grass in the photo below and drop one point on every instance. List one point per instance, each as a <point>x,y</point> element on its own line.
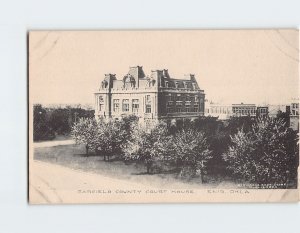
<point>172,171</point>
<point>89,155</point>
<point>101,156</point>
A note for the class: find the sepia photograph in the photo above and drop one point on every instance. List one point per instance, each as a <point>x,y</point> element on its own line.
<point>163,116</point>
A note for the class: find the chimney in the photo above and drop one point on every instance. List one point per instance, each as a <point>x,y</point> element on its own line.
<point>166,73</point>
<point>190,77</point>
<point>157,75</point>
<point>109,79</point>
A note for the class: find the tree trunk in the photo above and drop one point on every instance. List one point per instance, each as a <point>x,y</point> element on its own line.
<point>87,150</point>
<point>201,176</point>
<point>148,164</point>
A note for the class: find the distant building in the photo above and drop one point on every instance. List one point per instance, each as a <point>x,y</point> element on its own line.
<point>262,111</point>
<point>244,110</point>
<point>294,109</point>
<point>294,115</point>
<point>151,98</point>
<point>223,112</point>
<point>275,109</point>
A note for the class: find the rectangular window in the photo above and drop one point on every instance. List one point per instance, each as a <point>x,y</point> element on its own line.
<point>135,105</point>
<point>116,105</point>
<point>168,97</point>
<point>101,103</point>
<point>148,108</point>
<point>169,110</point>
<point>148,99</point>
<point>125,106</point>
<point>196,108</point>
<point>178,103</point>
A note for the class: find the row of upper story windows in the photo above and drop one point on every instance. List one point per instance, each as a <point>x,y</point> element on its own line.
<point>170,97</point>
<point>182,97</point>
<point>177,84</point>
<point>244,111</point>
<point>181,103</point>
<point>126,106</point>
<point>174,110</point>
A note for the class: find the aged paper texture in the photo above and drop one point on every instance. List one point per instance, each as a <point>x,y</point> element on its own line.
<point>163,116</point>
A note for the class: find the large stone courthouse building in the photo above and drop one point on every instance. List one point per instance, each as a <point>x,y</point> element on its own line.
<point>151,98</point>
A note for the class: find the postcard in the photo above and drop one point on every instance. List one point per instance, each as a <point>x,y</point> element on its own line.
<point>163,116</point>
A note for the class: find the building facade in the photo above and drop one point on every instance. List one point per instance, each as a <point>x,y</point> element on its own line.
<point>244,110</point>
<point>294,114</point>
<point>226,111</point>
<point>151,98</point>
<point>222,111</point>
<point>262,111</point>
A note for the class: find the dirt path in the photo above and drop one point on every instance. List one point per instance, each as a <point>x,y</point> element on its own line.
<point>53,143</point>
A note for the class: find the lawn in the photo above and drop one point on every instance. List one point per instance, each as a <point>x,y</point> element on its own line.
<point>73,156</point>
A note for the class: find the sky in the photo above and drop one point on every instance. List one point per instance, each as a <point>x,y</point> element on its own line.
<point>231,66</point>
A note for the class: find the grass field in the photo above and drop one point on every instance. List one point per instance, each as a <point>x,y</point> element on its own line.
<point>73,156</point>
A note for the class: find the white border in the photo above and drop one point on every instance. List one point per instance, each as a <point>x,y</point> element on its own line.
<point>17,17</point>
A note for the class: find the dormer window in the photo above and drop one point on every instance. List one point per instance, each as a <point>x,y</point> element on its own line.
<point>104,84</point>
<point>194,86</point>
<point>167,84</point>
<point>176,84</point>
<point>129,81</point>
<point>185,84</point>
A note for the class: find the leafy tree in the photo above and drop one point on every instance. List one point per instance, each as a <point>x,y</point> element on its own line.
<point>128,125</point>
<point>191,152</point>
<point>84,132</point>
<point>285,116</point>
<point>59,120</point>
<point>49,122</point>
<point>268,154</point>
<point>234,124</point>
<point>41,129</point>
<point>148,146</point>
<point>109,138</point>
